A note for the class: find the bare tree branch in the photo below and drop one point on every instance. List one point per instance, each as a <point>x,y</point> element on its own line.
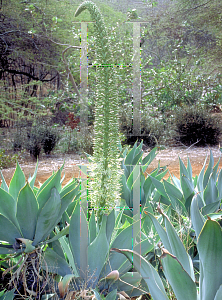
<point>68,69</point>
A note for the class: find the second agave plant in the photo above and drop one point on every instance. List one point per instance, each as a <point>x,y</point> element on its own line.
<point>28,216</point>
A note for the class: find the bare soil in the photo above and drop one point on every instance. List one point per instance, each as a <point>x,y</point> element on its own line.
<point>168,157</point>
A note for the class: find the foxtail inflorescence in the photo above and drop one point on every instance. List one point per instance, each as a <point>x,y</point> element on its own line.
<point>104,191</point>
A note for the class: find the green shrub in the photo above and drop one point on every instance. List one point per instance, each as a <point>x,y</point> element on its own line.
<point>49,139</point>
<point>7,161</point>
<point>33,144</point>
<point>41,136</point>
<point>152,129</point>
<point>196,125</point>
<point>19,139</point>
<point>74,141</point>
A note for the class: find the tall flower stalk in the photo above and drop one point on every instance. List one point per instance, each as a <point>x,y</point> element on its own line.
<point>104,191</point>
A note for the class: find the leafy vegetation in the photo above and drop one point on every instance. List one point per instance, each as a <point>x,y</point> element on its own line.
<point>196,126</point>
<point>68,241</point>
<point>7,160</point>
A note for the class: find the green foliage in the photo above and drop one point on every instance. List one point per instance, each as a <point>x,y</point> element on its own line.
<point>175,83</point>
<point>88,259</point>
<point>16,210</point>
<point>41,136</point>
<point>177,264</point>
<point>179,192</point>
<point>134,167</point>
<point>153,128</point>
<point>196,125</point>
<point>201,21</point>
<point>6,161</point>
<point>74,141</point>
<point>42,209</point>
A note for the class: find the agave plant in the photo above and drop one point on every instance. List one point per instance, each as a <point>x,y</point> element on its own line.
<point>177,264</point>
<point>28,216</point>
<point>91,267</point>
<point>180,192</point>
<point>130,179</point>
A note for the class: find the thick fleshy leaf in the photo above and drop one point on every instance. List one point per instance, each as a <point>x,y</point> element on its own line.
<point>183,286</point>
<point>125,191</point>
<point>196,217</point>
<point>27,211</point>
<point>112,295</point>
<point>148,273</point>
<point>68,188</point>
<point>79,247</point>
<point>60,234</point>
<point>6,250</point>
<point>66,200</point>
<point>131,179</point>
<point>210,208</point>
<point>189,168</point>
<point>4,185</point>
<point>8,295</point>
<point>150,157</point>
<point>116,261</point>
<point>148,186</point>
<point>48,217</point>
<point>8,231</point>
<point>32,179</point>
<point>200,179</point>
<point>97,252</point>
<point>161,231</point>
<point>211,193</point>
<point>110,225</point>
<point>143,247</point>
<point>68,252</point>
<point>172,190</point>
<point>176,182</point>
<point>137,159</point>
<point>219,294</point>
<point>92,228</point>
<point>172,243</point>
<point>45,191</point>
<point>17,182</point>
<point>146,222</point>
<point>139,149</point>
<point>8,207</point>
<point>183,170</point>
<point>215,216</point>
<point>159,186</point>
<point>209,170</point>
<point>187,187</point>
<point>219,184</point>
<point>177,247</point>
<point>209,247</point>
<point>130,155</point>
<point>175,197</point>
<point>97,294</point>
<point>55,264</point>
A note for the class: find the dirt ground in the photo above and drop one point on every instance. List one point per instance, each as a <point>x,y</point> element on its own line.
<point>167,157</point>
